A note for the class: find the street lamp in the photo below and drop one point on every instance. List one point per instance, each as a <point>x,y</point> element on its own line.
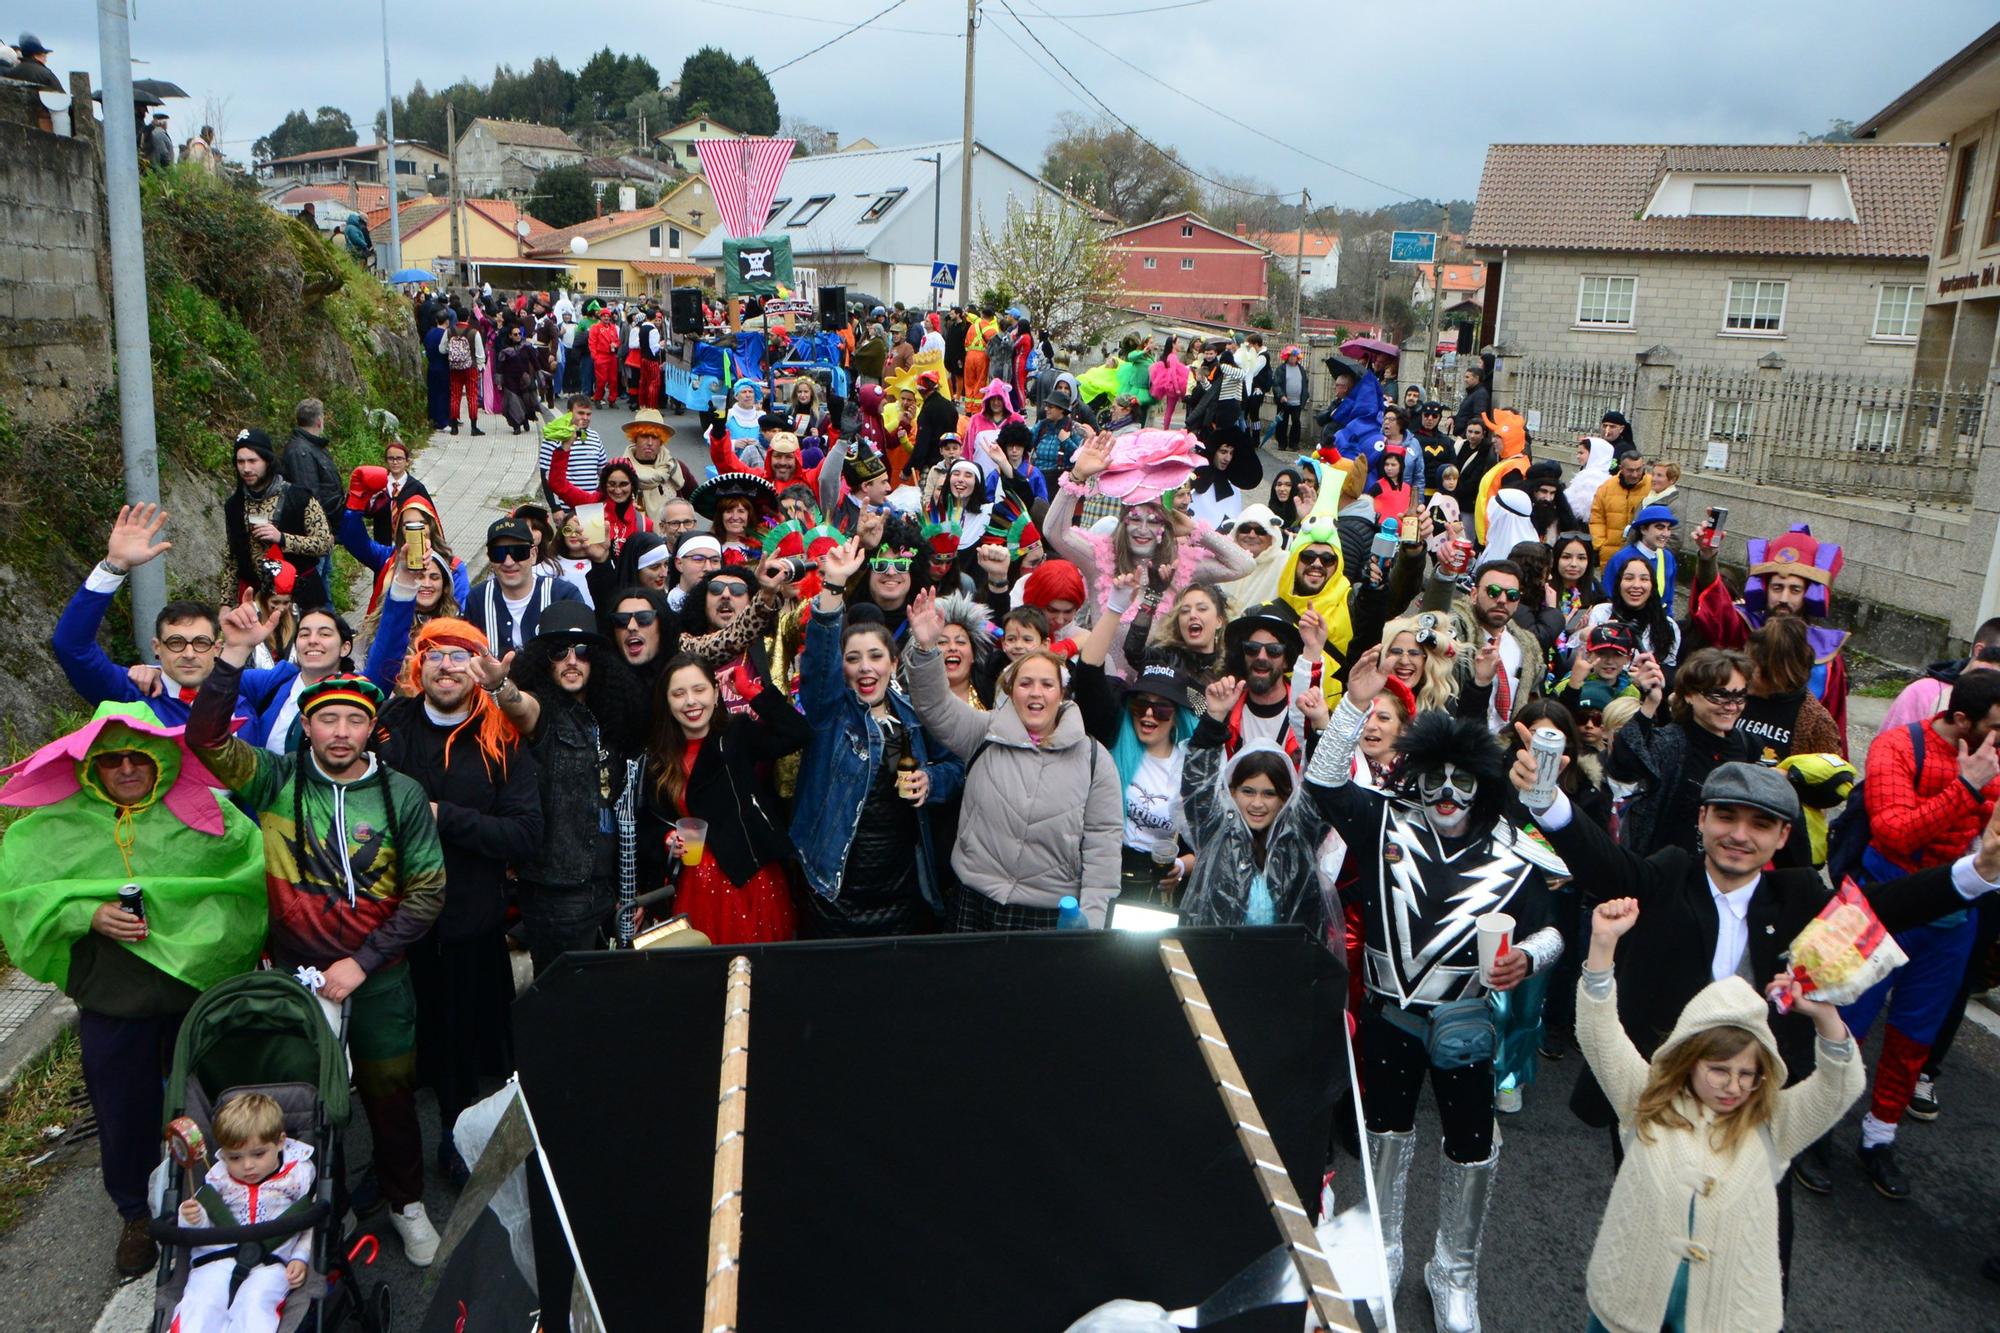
<point>937,199</point>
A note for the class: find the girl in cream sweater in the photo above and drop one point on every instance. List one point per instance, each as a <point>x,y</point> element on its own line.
<point>1689,1240</point>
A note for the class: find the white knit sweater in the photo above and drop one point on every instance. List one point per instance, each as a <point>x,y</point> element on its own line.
<point>1732,1246</point>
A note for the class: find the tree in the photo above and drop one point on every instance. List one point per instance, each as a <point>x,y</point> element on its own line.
<point>812,139</point>
<point>564,196</point>
<point>328,127</point>
<point>1052,258</point>
<point>1117,169</point>
<point>733,91</point>
<point>607,83</point>
<point>1837,131</point>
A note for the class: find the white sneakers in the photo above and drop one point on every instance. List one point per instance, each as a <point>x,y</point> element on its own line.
<point>420,1238</point>
<point>1508,1100</point>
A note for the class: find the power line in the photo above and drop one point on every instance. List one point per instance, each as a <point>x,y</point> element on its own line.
<point>814,18</point>
<point>1120,13</point>
<point>889,8</point>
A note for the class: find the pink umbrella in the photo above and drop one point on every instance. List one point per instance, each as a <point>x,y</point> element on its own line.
<point>1370,347</point>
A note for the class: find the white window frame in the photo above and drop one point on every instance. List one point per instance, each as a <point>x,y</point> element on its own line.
<point>1152,262</point>
<point>1187,265</point>
<point>1878,429</point>
<point>1912,318</point>
<point>1187,230</point>
<point>1730,419</point>
<point>1156,308</point>
<point>1632,310</point>
<point>1757,286</point>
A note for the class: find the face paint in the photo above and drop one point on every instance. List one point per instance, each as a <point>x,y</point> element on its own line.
<point>1447,795</point>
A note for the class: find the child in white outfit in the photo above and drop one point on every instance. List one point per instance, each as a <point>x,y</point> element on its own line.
<point>258,1174</point>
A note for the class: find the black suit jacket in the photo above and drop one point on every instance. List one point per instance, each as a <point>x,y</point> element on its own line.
<point>1665,959</point>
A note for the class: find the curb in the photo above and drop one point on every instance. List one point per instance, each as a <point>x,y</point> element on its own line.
<point>34,1037</point>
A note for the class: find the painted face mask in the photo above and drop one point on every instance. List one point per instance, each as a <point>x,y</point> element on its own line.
<point>1447,794</point>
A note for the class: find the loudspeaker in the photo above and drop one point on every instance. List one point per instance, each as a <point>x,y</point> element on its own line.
<point>833,307</point>
<point>1464,339</point>
<point>685,309</point>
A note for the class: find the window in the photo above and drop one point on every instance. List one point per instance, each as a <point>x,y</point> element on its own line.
<point>777,206</point>
<point>1605,301</point>
<point>704,127</point>
<point>883,203</point>
<point>1729,199</point>
<point>610,281</point>
<point>1305,270</point>
<point>1899,310</point>
<point>1877,430</point>
<point>1156,308</point>
<point>653,237</point>
<point>673,238</point>
<point>1152,262</point>
<point>1755,307</point>
<point>1961,191</point>
<point>809,210</point>
<point>1729,418</point>
<point>1187,229</point>
<point>405,167</point>
<point>692,154</point>
<point>1187,266</point>
<point>1993,216</point>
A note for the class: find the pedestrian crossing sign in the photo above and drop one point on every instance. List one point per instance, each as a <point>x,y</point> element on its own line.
<point>944,275</point>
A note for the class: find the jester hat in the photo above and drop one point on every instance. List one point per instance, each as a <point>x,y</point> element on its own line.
<point>1798,552</point>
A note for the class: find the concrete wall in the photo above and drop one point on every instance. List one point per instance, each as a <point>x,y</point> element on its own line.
<point>1829,318</point>
<point>55,302</point>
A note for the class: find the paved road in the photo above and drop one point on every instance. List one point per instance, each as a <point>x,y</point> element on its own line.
<point>1862,1261</point>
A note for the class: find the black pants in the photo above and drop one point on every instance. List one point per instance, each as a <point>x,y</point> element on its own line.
<point>1288,428</point>
<point>125,1063</point>
<point>1394,1064</point>
<point>1559,1009</point>
<point>1985,932</point>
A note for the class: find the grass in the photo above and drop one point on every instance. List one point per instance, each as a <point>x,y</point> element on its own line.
<point>1888,687</point>
<point>43,1100</point>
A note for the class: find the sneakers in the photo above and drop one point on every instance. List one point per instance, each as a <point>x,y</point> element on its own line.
<point>136,1251</point>
<point>1880,1165</point>
<point>1924,1102</point>
<point>1508,1101</point>
<point>1555,1044</point>
<point>420,1238</point>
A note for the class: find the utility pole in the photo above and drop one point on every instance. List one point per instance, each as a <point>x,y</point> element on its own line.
<point>1437,296</point>
<point>451,189</point>
<point>937,206</point>
<point>1299,268</point>
<point>389,154</point>
<point>965,166</point>
<point>128,301</point>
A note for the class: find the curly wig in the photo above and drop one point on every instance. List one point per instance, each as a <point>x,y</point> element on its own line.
<point>613,694</point>
<point>1436,739</point>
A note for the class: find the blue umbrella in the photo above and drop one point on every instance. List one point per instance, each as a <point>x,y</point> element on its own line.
<point>413,275</point>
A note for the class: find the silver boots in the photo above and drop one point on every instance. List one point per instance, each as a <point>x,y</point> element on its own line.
<point>1389,1157</point>
<point>1453,1272</point>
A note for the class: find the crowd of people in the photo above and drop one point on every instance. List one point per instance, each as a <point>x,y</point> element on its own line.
<point>978,644</point>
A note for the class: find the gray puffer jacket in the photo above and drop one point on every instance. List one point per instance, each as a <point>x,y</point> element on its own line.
<point>1035,822</point>
<point>1218,891</point>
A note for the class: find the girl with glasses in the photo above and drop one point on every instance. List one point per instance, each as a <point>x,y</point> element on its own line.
<point>1668,758</point>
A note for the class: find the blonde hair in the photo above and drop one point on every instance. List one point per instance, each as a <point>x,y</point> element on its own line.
<point>1054,660</point>
<point>1672,1075</point>
<point>1438,685</point>
<point>1618,712</point>
<point>246,1119</point>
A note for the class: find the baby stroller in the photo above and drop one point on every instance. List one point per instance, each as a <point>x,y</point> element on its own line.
<point>264,1032</point>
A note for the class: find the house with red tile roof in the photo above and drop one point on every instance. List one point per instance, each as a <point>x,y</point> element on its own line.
<point>1319,270</point>
<point>1808,256</point>
<point>1185,266</point>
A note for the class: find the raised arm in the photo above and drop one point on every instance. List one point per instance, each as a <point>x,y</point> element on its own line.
<point>1620,1070</point>
<point>946,716</point>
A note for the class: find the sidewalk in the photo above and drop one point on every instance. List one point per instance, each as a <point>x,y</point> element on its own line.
<point>469,476</point>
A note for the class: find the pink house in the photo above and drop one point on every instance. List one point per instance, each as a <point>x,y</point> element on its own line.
<point>1182,266</point>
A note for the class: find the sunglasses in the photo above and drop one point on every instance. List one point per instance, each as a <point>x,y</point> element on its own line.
<point>1253,530</point>
<point>500,555</point>
<point>1317,558</point>
<point>891,564</point>
<point>623,619</point>
<point>1264,650</point>
<point>580,651</point>
<point>1727,698</point>
<point>1149,707</point>
<point>1510,594</point>
<point>120,758</point>
<point>731,588</point>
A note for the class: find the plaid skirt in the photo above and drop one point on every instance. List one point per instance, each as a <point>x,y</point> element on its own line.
<point>974,911</point>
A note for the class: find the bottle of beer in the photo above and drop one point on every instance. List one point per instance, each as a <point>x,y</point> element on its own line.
<point>907,769</point>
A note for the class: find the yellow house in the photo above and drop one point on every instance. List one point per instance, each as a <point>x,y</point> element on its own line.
<point>639,253</point>
<point>680,140</point>
<point>494,240</point>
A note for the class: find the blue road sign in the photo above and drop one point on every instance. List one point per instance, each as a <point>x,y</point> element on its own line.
<point>1413,247</point>
<point>944,275</point>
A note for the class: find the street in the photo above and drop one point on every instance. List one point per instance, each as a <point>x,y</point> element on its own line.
<point>1860,1262</point>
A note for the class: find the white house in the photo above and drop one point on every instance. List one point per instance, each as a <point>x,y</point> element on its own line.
<point>875,219</point>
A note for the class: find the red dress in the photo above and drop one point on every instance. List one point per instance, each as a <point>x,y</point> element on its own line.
<point>759,912</point>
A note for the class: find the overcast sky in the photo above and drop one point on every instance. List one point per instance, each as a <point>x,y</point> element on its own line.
<point>1407,95</point>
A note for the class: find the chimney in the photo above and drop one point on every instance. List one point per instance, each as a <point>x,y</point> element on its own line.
<point>628,198</point>
<point>1242,229</point>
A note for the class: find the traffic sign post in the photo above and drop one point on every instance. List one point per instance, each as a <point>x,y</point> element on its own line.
<point>1413,247</point>
<point>944,275</point>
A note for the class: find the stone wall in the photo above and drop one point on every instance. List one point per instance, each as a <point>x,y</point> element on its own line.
<point>55,276</point>
<point>1829,320</point>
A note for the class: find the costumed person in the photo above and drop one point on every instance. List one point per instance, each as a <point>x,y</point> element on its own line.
<point>1010,550</point>
<point>1633,596</point>
<point>745,418</point>
<point>603,343</point>
<point>1436,854</point>
<point>781,466</point>
<point>259,1175</point>
<point>1509,521</point>
<point>269,521</point>
<point>1215,493</point>
<point>1261,534</point>
<point>398,486</point>
<point>617,490</point>
<point>1790,575</point>
<point>1509,433</point>
<point>868,842</point>
<point>960,504</point>
<point>122,801</point>
<point>405,544</point>
<point>661,476</point>
<point>1055,588</point>
<point>1176,550</point>
<point>1651,537</point>
<point>739,505</point>
<point>355,876</point>
<point>1594,462</point>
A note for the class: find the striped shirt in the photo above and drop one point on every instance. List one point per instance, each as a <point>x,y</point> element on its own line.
<point>586,459</point>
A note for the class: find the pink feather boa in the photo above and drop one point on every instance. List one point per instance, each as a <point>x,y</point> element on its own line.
<point>1104,560</point>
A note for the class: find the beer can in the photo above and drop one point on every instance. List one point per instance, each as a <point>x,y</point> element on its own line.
<point>1546,744</point>
<point>132,900</point>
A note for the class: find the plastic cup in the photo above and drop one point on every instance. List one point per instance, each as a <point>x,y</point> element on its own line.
<point>1496,936</point>
<point>694,834</point>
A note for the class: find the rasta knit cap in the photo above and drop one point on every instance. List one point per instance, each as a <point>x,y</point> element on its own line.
<point>342,687</point>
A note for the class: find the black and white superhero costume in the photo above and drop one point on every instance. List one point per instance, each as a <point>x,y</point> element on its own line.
<point>1433,857</point>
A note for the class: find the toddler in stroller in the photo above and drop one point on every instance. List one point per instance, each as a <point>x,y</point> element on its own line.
<point>259,1175</point>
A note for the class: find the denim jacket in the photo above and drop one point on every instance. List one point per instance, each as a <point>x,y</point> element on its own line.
<point>839,766</point>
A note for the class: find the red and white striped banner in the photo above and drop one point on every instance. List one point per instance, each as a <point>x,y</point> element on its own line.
<point>743,174</point>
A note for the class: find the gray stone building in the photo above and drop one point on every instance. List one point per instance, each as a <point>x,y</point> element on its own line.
<point>1815,252</point>
<point>504,157</point>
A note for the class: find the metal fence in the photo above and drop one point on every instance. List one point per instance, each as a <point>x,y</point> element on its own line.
<point>1566,398</point>
<point>1826,434</point>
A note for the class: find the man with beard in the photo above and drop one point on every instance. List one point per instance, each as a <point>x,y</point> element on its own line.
<point>355,876</point>
<point>1259,648</point>
<point>441,730</point>
<point>1505,662</point>
<point>1551,513</point>
<point>581,709</point>
<point>1790,575</point>
<point>1617,503</point>
<point>1433,856</point>
<point>268,520</point>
